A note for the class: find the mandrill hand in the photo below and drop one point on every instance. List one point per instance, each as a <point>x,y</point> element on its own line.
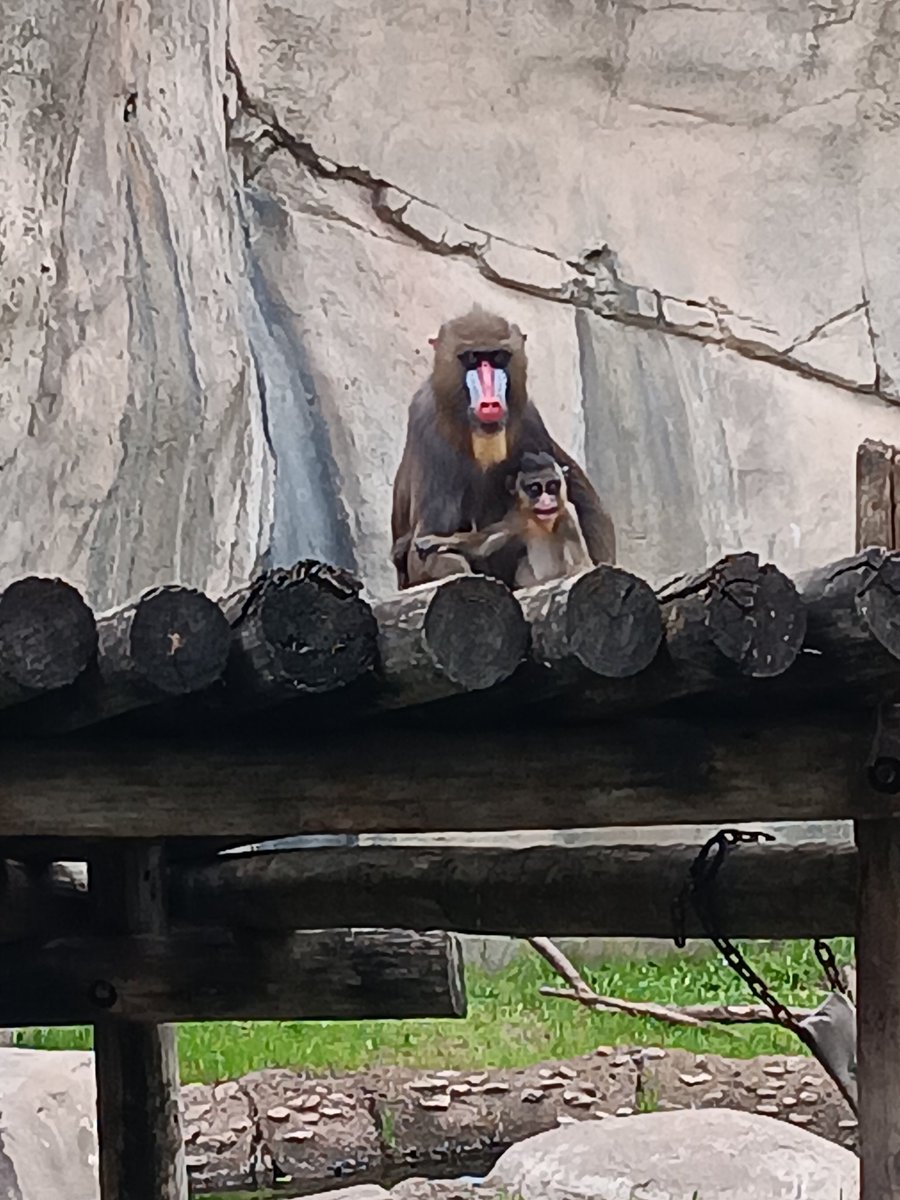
<point>430,544</point>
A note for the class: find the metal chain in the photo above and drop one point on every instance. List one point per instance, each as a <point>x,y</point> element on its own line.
<point>699,889</point>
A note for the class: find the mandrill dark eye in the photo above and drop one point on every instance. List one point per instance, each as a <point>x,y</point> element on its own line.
<point>469,360</point>
<point>552,487</point>
<point>500,359</point>
<point>533,490</point>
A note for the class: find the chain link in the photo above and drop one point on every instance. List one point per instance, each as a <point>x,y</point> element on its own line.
<point>699,889</point>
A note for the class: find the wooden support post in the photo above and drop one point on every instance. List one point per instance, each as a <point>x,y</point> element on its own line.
<point>878,914</point>
<point>139,1124</point>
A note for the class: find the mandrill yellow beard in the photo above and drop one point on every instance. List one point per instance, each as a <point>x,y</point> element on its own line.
<point>488,449</point>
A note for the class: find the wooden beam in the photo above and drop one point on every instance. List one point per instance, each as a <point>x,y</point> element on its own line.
<point>47,638</point>
<point>640,772</point>
<point>297,630</point>
<point>463,634</point>
<point>141,1141</point>
<point>171,642</point>
<point>878,920</point>
<point>605,622</point>
<point>217,975</point>
<point>623,890</point>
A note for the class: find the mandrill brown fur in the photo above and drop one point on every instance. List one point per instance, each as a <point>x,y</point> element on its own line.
<point>468,427</point>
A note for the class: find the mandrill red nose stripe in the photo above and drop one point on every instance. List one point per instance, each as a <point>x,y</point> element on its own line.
<point>486,379</point>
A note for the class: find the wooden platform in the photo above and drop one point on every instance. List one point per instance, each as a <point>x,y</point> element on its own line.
<point>146,740</point>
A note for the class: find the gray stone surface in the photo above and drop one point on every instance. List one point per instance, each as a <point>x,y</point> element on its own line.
<point>48,1133</point>
<point>719,1154</point>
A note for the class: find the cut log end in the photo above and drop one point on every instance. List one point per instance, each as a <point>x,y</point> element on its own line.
<point>48,635</point>
<point>751,615</point>
<point>475,631</point>
<point>318,638</point>
<point>613,622</point>
<point>179,640</point>
<point>879,603</point>
<point>756,616</point>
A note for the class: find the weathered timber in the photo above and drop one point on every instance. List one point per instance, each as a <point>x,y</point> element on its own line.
<point>606,621</point>
<point>216,975</point>
<point>462,634</point>
<point>853,622</point>
<point>138,1120</point>
<point>878,1013</point>
<point>622,890</point>
<point>739,617</point>
<point>173,641</point>
<point>878,917</point>
<point>48,637</point>
<point>303,629</point>
<point>643,771</point>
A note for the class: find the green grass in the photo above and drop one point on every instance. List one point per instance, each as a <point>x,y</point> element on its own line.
<point>509,1023</point>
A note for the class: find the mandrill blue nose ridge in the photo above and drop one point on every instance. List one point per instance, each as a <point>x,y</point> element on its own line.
<point>477,392</point>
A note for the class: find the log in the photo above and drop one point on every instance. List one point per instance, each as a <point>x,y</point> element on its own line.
<point>460,635</point>
<point>625,890</point>
<point>737,618</point>
<point>141,1142</point>
<point>878,916</point>
<point>638,772</point>
<point>171,642</point>
<point>606,621</point>
<point>47,638</point>
<point>217,975</point>
<point>303,629</point>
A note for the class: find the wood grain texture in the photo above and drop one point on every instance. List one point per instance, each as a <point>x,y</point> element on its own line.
<point>48,638</point>
<point>217,975</point>
<point>139,1124</point>
<point>565,891</point>
<point>640,771</point>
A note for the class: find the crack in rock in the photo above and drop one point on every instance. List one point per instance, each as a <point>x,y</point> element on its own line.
<point>591,281</point>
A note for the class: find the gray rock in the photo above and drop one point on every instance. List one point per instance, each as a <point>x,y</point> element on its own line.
<point>717,1154</point>
<point>361,1191</point>
<point>48,1126</point>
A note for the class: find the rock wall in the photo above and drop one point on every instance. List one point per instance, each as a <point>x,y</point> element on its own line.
<point>226,232</point>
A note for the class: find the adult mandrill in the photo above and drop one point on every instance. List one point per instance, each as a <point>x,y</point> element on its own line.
<point>468,427</point>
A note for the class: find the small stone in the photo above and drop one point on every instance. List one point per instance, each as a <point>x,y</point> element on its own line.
<point>477,1079</point>
<point>808,1097</point>
<point>531,1095</point>
<point>694,1080</point>
<point>567,1072</point>
<point>310,1101</point>
<point>428,1085</point>
<point>577,1099</point>
<point>547,1084</point>
<point>654,1052</point>
<point>603,1051</point>
<point>298,1135</point>
<point>788,1101</point>
<point>849,1123</point>
<point>495,1087</point>
<point>810,1081</point>
<point>766,1093</point>
<point>447,1074</point>
<point>622,1060</point>
<point>769,1110</point>
<point>459,1089</point>
<point>434,1102</point>
<point>194,1161</point>
<point>625,1111</point>
<point>328,1110</point>
<point>799,1118</point>
<point>279,1114</point>
<point>310,1118</point>
<point>774,1069</point>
